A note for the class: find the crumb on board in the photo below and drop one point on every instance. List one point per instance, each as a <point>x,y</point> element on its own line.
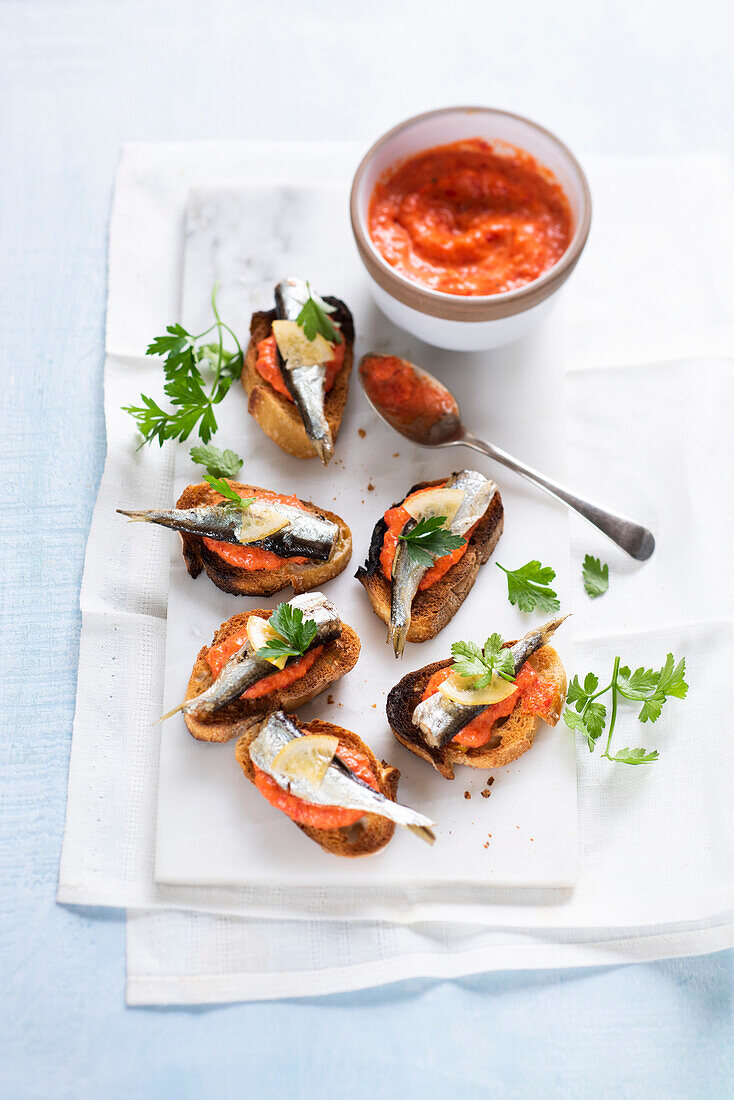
<point>329,698</point>
<point>374,706</point>
<point>490,781</point>
<point>486,794</point>
<point>397,454</point>
<point>370,487</point>
<point>361,433</point>
<point>467,794</point>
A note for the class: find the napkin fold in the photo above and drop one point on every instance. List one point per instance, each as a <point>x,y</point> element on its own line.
<point>648,435</point>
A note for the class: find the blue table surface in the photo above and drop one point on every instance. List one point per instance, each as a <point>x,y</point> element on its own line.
<point>78,78</point>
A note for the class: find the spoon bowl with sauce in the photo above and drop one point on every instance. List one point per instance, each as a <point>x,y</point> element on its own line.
<point>419,407</point>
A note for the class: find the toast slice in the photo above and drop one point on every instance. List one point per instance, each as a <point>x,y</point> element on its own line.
<point>278,417</point>
<point>434,607</point>
<point>371,832</point>
<point>259,582</point>
<point>512,737</point>
<point>336,659</point>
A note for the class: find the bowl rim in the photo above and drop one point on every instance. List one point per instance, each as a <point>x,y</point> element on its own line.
<point>475,307</point>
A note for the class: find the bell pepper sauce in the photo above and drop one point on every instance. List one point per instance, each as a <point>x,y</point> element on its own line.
<point>308,813</point>
<point>396,518</point>
<point>254,557</point>
<point>534,692</point>
<point>405,395</point>
<point>267,366</point>
<point>470,218</point>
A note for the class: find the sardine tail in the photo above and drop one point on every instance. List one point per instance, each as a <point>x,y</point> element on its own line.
<point>549,629</point>
<point>324,448</point>
<point>398,635</point>
<point>170,713</point>
<point>423,832</point>
<point>135,517</point>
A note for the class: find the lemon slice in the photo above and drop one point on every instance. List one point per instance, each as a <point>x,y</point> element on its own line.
<point>435,502</point>
<point>296,349</point>
<point>306,758</point>
<point>259,521</point>
<point>259,631</point>
<point>459,690</point>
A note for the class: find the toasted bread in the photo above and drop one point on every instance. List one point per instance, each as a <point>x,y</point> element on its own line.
<point>514,734</point>
<point>277,416</point>
<point>434,607</point>
<point>367,835</point>
<point>336,659</point>
<point>259,582</point>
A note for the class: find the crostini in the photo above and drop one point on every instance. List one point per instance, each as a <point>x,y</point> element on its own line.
<point>297,367</point>
<point>329,782</point>
<point>258,548</point>
<point>262,661</point>
<point>481,708</point>
<point>426,552</point>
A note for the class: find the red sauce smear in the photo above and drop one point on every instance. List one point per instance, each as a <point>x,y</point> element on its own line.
<point>470,218</point>
<point>405,395</point>
<point>308,813</point>
<point>396,518</point>
<point>218,655</point>
<point>254,557</point>
<point>536,693</point>
<point>267,367</point>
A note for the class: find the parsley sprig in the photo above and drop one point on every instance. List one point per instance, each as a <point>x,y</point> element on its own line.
<point>481,664</point>
<point>295,634</point>
<point>429,539</point>
<point>596,576</point>
<point>230,495</point>
<point>644,685</point>
<point>314,319</point>
<point>218,463</point>
<point>185,386</point>
<point>529,587</point>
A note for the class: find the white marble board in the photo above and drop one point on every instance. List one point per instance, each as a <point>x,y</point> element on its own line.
<point>213,827</point>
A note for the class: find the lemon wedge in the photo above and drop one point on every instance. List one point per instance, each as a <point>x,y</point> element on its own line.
<point>306,758</point>
<point>259,521</point>
<point>259,631</point>
<point>459,690</point>
<point>296,349</point>
<point>435,502</point>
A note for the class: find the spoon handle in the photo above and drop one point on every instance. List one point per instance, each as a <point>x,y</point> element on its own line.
<point>636,540</point>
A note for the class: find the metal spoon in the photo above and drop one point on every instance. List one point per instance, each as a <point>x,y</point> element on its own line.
<point>444,429</point>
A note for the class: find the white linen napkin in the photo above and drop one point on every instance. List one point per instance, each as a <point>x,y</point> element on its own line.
<point>655,875</point>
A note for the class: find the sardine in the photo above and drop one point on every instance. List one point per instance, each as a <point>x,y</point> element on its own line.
<point>339,787</point>
<point>305,533</point>
<point>244,668</point>
<point>305,383</point>
<point>407,574</point>
<point>440,719</point>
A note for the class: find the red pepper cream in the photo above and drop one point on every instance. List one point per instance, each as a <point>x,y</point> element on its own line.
<point>470,218</point>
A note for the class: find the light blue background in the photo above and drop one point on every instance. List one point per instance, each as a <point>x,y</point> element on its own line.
<point>79,77</point>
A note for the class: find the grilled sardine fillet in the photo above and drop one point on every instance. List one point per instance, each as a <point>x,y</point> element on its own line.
<point>340,787</point>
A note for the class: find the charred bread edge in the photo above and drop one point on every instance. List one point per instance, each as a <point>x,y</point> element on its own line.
<point>338,656</point>
<point>355,840</point>
<point>260,582</point>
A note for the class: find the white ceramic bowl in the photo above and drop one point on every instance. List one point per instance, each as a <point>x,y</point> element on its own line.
<point>472,322</point>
